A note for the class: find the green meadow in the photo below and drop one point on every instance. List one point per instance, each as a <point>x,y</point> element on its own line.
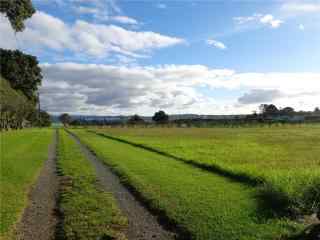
<point>199,202</point>
<point>283,160</point>
<point>23,153</point>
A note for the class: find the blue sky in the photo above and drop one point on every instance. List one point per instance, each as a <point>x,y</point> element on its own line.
<point>216,57</point>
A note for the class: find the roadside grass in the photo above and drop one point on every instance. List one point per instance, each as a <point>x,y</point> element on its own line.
<point>87,212</point>
<point>206,205</point>
<point>22,155</point>
<point>285,159</point>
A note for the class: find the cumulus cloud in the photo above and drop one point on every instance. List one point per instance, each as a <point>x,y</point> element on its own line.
<point>301,7</point>
<point>110,89</point>
<point>259,19</point>
<point>270,20</point>
<point>45,31</point>
<point>124,20</point>
<point>260,96</point>
<point>216,44</point>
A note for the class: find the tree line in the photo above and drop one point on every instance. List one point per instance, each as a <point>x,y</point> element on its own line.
<point>268,114</point>
<point>20,107</point>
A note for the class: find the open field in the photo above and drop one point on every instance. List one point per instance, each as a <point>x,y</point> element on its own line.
<point>22,156</point>
<point>285,159</point>
<point>201,203</point>
<point>88,213</point>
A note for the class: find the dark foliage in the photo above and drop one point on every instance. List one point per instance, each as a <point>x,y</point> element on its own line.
<point>22,72</point>
<point>135,119</point>
<point>160,117</point>
<point>17,11</point>
<point>65,118</point>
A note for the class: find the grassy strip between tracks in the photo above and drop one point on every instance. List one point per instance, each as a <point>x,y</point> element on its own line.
<point>206,205</point>
<point>87,212</point>
<point>22,155</point>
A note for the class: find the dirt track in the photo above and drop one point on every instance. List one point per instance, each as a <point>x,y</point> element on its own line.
<point>39,219</point>
<point>142,224</point>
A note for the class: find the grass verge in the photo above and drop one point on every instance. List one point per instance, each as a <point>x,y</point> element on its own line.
<point>87,212</point>
<point>22,154</point>
<point>206,205</point>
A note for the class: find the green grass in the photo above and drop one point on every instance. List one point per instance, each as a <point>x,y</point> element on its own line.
<point>206,205</point>
<point>22,156</point>
<point>286,159</point>
<point>10,95</point>
<point>88,213</point>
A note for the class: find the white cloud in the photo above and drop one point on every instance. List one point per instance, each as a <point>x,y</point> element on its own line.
<point>301,7</point>
<point>270,20</point>
<point>216,44</point>
<point>45,31</point>
<point>110,89</point>
<point>259,19</point>
<point>301,27</point>
<point>161,5</point>
<point>124,20</point>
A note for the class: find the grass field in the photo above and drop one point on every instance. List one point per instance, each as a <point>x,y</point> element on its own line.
<point>204,204</point>
<point>22,155</point>
<point>286,159</point>
<point>88,213</point>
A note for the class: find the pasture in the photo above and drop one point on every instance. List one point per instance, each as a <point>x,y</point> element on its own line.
<point>284,159</point>
<point>22,156</point>
<point>203,204</point>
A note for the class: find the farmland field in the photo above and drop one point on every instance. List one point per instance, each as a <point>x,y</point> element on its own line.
<point>285,159</point>
<point>22,156</point>
<point>204,204</point>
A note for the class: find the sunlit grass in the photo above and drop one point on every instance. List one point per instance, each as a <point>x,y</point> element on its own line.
<point>23,153</point>
<point>286,159</point>
<point>206,205</point>
<point>88,213</point>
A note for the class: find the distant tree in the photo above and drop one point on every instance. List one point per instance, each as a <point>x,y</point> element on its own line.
<point>317,110</point>
<point>268,110</point>
<point>44,119</point>
<point>65,119</point>
<point>17,11</point>
<point>160,117</point>
<point>287,111</point>
<point>135,119</point>
<point>22,71</point>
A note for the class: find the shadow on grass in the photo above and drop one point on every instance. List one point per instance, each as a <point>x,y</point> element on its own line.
<point>271,203</point>
<point>237,177</point>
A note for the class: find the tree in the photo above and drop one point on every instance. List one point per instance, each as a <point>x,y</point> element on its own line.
<point>160,117</point>
<point>287,111</point>
<point>65,119</point>
<point>268,110</point>
<point>317,110</point>
<point>22,71</point>
<point>17,11</point>
<point>135,119</point>
<point>44,119</point>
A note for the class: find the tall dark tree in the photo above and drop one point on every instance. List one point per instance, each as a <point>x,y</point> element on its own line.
<point>287,111</point>
<point>17,11</point>
<point>160,117</point>
<point>22,71</point>
<point>268,110</point>
<point>135,119</point>
<point>65,119</point>
<point>317,110</point>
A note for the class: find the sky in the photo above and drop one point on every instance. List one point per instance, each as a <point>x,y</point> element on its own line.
<point>111,57</point>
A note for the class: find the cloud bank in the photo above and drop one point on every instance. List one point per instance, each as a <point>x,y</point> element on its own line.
<point>109,89</point>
